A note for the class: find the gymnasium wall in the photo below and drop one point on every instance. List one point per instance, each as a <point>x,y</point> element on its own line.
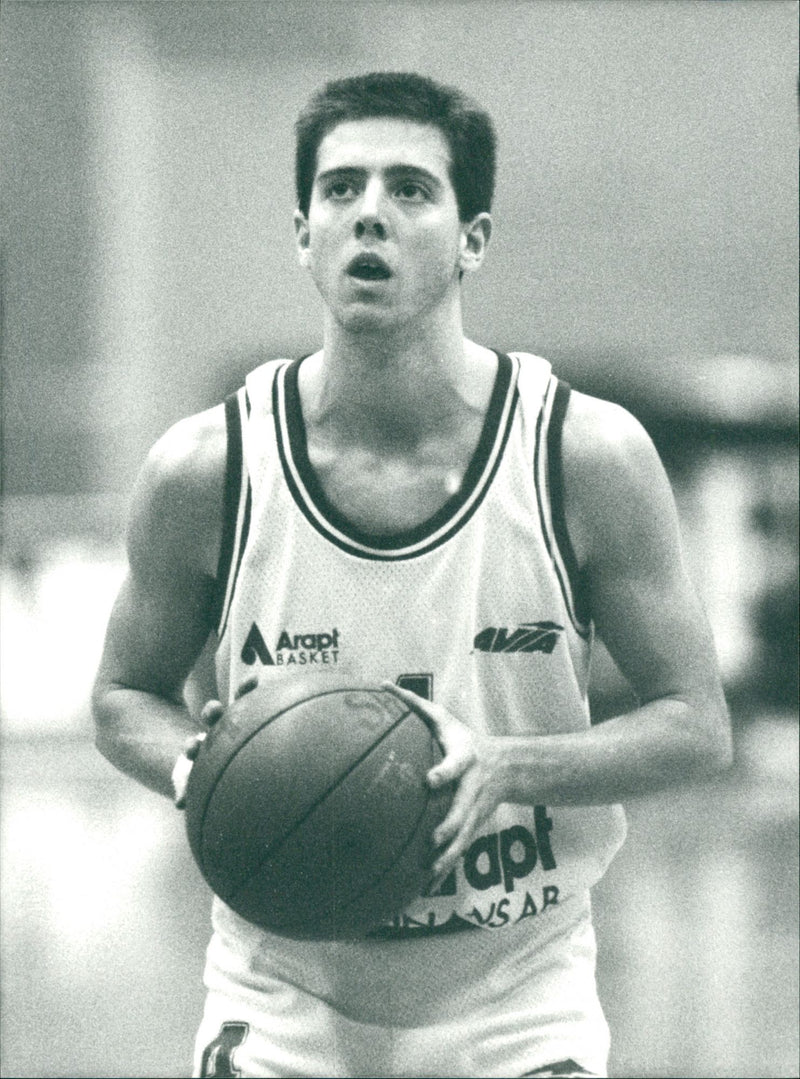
<point>645,212</point>
<point>645,241</point>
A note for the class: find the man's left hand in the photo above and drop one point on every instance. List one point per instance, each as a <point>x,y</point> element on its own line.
<point>471,761</point>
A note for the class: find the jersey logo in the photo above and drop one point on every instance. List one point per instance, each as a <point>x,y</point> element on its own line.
<point>291,648</point>
<point>255,648</point>
<point>497,859</point>
<point>529,637</point>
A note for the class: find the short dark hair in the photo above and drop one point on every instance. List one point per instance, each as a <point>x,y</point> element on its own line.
<point>405,96</point>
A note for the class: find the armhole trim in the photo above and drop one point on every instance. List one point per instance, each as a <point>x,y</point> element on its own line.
<point>237,502</point>
<point>555,483</point>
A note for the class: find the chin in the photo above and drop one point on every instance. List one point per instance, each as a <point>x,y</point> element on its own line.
<point>367,319</point>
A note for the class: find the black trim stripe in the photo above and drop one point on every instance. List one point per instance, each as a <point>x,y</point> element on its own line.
<point>236,520</point>
<point>543,502</point>
<point>318,511</point>
<point>248,507</point>
<point>555,479</point>
<point>230,503</point>
<point>565,1069</point>
<point>454,924</point>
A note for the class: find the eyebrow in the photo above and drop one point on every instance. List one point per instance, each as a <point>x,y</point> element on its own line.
<point>392,172</point>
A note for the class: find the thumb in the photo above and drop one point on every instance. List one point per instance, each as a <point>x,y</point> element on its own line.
<point>452,766</point>
<point>433,713</point>
<point>455,738</point>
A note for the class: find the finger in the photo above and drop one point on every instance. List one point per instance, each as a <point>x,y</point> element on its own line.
<point>443,724</point>
<point>452,766</point>
<point>246,687</point>
<point>193,744</point>
<point>413,700</point>
<point>455,818</point>
<point>454,737</point>
<point>446,832</point>
<point>180,779</point>
<point>447,860</point>
<point>459,755</point>
<point>211,713</point>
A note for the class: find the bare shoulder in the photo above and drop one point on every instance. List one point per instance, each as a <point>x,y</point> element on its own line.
<point>191,452</point>
<point>176,516</point>
<point>600,434</point>
<point>616,491</point>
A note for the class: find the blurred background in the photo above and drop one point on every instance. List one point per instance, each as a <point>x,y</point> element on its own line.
<point>646,242</point>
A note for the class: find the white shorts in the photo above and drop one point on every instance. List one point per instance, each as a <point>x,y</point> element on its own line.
<point>494,1003</point>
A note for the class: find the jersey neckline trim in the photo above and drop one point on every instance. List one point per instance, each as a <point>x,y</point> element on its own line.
<point>307,491</point>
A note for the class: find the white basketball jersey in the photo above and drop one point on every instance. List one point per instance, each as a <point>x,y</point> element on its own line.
<point>478,608</point>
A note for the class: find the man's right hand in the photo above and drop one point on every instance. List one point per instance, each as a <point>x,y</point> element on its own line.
<point>211,714</point>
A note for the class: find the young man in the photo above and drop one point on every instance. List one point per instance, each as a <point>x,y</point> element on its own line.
<point>428,512</point>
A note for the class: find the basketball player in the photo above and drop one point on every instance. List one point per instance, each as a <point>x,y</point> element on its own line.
<point>411,507</point>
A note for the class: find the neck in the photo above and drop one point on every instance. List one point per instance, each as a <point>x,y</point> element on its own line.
<point>396,389</point>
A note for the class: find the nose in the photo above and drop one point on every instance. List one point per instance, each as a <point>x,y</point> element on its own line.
<point>371,217</point>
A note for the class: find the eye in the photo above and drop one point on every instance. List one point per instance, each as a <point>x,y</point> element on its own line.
<point>411,191</point>
<point>340,189</point>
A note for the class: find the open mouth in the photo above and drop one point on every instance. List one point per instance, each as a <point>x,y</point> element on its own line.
<point>369,268</point>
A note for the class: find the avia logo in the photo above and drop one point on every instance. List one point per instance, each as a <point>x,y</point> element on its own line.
<point>529,637</point>
<point>290,648</point>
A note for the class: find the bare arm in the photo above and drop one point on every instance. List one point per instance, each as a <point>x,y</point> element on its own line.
<point>162,616</point>
<point>623,524</point>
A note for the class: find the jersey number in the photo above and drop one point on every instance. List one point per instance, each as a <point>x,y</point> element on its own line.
<point>421,684</point>
<point>218,1055</point>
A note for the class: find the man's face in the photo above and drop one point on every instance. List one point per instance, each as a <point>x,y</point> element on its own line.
<point>383,240</point>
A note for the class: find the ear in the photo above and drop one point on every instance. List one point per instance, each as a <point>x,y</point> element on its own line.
<point>302,238</point>
<point>475,236</point>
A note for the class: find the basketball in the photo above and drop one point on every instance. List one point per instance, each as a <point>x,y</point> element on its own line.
<point>307,809</point>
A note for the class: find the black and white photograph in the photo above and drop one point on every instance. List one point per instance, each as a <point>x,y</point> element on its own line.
<point>399,572</point>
